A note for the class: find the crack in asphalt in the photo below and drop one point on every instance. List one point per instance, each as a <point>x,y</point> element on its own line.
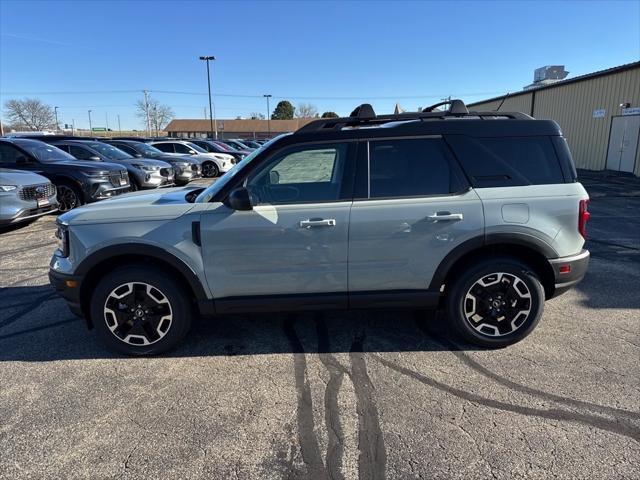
<point>37,329</point>
<point>30,247</point>
<point>27,309</point>
<point>372,460</point>
<point>309,447</point>
<point>552,414</point>
<point>470,362</point>
<point>335,447</point>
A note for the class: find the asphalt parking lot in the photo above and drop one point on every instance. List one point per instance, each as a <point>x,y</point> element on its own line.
<point>367,395</point>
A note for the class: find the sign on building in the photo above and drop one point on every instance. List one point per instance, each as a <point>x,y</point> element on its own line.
<point>631,111</point>
<point>599,113</point>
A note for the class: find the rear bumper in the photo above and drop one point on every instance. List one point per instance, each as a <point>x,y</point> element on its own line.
<point>568,271</point>
<point>62,284</point>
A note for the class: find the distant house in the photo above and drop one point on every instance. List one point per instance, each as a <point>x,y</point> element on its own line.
<point>248,129</point>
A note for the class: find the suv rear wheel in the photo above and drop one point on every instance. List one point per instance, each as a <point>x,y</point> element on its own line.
<point>140,310</point>
<point>496,302</point>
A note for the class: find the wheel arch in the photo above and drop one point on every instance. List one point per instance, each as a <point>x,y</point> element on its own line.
<point>103,261</point>
<point>534,253</point>
<point>62,178</point>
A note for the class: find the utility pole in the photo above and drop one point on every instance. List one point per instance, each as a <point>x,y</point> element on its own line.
<point>106,117</point>
<point>214,123</point>
<point>90,129</point>
<point>146,109</point>
<point>73,126</point>
<point>268,114</point>
<point>55,110</point>
<point>119,129</point>
<point>155,119</point>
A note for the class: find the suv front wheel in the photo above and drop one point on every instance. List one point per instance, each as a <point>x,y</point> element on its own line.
<point>140,310</point>
<point>496,302</point>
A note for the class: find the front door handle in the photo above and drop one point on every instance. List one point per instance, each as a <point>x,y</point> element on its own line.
<point>317,222</point>
<point>445,216</point>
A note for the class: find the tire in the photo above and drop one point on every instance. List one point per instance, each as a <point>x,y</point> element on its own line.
<point>496,302</point>
<point>133,185</point>
<point>210,170</point>
<point>140,310</point>
<point>68,196</point>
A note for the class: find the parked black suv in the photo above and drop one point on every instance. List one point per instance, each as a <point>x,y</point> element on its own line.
<point>77,182</point>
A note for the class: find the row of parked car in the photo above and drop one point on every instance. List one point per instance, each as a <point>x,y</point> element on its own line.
<point>40,174</point>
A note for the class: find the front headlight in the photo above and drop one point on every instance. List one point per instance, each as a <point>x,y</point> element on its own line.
<point>62,234</point>
<point>7,188</point>
<point>101,175</point>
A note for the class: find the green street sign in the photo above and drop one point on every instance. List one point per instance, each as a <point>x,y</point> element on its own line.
<point>98,129</point>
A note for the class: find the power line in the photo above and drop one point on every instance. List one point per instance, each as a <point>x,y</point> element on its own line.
<point>291,97</point>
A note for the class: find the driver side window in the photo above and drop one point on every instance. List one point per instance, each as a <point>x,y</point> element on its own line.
<point>302,175</point>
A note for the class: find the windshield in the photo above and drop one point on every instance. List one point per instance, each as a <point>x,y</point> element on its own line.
<point>45,153</point>
<point>196,147</point>
<point>209,193</point>
<point>225,147</point>
<point>145,148</point>
<point>111,152</point>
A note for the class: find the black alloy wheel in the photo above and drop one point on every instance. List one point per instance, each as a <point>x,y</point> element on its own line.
<point>496,302</point>
<point>210,169</point>
<point>68,197</point>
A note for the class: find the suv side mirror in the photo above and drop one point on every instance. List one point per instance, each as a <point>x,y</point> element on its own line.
<point>274,177</point>
<point>239,199</point>
<point>138,155</point>
<point>192,152</point>
<point>94,158</point>
<point>22,160</point>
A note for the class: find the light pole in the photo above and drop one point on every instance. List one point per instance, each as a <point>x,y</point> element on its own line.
<point>119,129</point>
<point>214,126</point>
<point>90,129</point>
<point>55,110</point>
<point>268,114</point>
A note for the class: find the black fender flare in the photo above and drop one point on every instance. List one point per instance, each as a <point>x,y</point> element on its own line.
<point>501,238</point>
<point>151,251</point>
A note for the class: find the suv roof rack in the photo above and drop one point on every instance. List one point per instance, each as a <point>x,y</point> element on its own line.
<point>364,116</point>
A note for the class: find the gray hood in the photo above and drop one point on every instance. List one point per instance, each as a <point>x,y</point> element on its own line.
<point>20,177</point>
<point>161,204</point>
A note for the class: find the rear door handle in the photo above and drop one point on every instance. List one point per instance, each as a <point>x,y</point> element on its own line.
<point>318,222</point>
<point>445,216</point>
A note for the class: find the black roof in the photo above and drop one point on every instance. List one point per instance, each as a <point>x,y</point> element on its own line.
<point>457,120</point>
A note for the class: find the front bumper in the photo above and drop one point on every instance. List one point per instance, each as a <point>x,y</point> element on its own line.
<point>568,271</point>
<point>68,287</point>
<point>184,175</point>
<point>10,214</point>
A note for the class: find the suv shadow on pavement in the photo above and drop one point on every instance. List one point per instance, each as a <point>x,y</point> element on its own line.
<point>35,325</point>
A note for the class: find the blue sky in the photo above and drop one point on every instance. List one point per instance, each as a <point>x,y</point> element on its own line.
<point>331,54</point>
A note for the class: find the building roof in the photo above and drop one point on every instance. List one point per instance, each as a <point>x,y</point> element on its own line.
<point>204,126</point>
<point>588,76</point>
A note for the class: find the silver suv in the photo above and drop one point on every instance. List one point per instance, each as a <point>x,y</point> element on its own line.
<point>476,213</point>
<point>25,196</point>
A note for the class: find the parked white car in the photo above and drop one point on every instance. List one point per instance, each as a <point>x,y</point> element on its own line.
<point>213,164</point>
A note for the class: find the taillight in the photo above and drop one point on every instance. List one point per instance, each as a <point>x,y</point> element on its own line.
<point>583,217</point>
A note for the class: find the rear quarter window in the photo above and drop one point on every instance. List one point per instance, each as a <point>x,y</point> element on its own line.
<point>508,161</point>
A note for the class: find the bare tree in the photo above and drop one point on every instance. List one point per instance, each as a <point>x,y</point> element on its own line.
<point>159,115</point>
<point>306,110</point>
<point>29,113</point>
<point>256,116</point>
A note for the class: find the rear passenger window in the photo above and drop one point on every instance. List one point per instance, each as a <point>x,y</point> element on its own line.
<point>508,161</point>
<point>410,168</point>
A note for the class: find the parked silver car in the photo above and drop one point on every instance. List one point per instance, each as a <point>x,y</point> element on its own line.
<point>25,196</point>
